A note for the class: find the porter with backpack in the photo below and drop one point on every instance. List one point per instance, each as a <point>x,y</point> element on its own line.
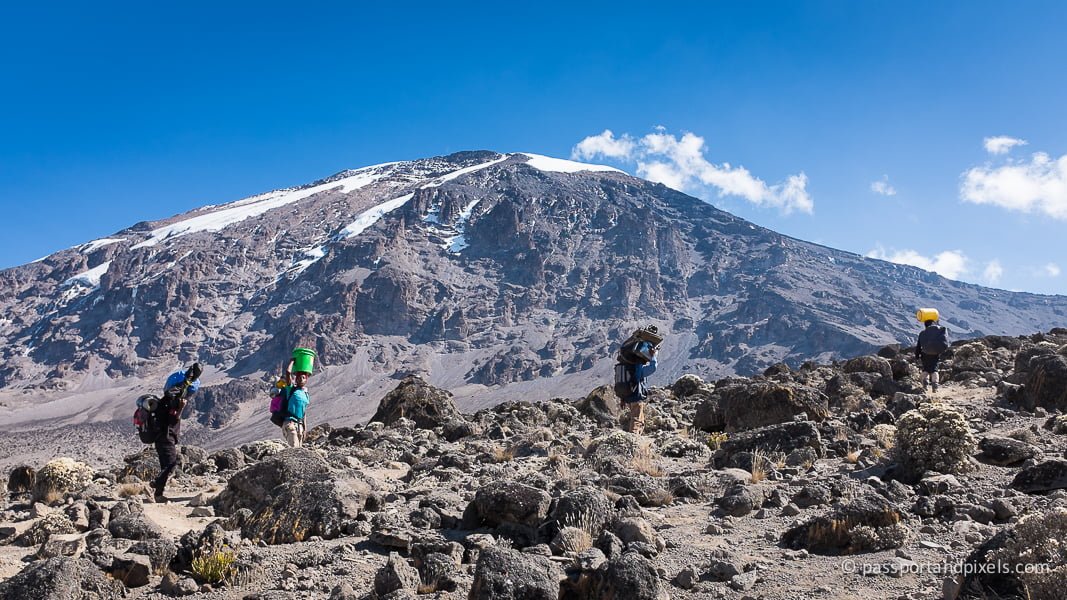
<point>158,421</point>
<point>635,362</point>
<point>932,343</point>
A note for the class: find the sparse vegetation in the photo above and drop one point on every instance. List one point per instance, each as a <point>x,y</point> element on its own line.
<point>215,566</point>
<point>129,490</point>
<point>715,439</point>
<point>646,460</point>
<point>759,466</point>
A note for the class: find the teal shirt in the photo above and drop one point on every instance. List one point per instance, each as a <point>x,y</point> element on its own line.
<point>298,403</point>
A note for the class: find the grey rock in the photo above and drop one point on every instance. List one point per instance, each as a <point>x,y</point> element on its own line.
<point>504,574</point>
<point>60,578</point>
<point>1042,477</point>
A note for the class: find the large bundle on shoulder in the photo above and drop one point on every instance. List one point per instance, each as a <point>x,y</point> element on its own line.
<point>637,349</point>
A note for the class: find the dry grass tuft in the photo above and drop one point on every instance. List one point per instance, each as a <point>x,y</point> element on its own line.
<point>645,460</point>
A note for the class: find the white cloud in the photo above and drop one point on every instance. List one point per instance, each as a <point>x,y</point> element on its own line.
<point>993,272</point>
<point>679,163</point>
<point>1001,144</point>
<point>1051,270</point>
<point>950,263</point>
<point>882,187</point>
<point>604,144</point>
<point>1039,185</point>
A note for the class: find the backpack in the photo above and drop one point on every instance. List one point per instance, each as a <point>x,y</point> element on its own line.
<point>279,406</point>
<point>934,340</point>
<point>624,381</point>
<point>149,419</point>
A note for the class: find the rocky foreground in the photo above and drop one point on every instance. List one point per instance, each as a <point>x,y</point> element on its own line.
<point>829,481</point>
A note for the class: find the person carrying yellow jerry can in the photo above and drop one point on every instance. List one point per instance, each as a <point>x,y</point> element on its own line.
<point>933,341</point>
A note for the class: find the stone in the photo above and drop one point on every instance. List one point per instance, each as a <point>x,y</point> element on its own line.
<point>1004,451</point>
<point>1042,477</point>
<point>133,570</point>
<point>415,399</point>
<point>756,404</point>
<point>60,578</point>
<point>782,437</point>
<point>62,544</point>
<point>630,577</point>
<point>504,574</point>
<point>395,574</point>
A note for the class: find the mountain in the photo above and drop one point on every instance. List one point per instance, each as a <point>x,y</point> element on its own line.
<point>492,275</point>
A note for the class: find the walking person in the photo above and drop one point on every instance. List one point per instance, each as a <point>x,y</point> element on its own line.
<point>636,361</point>
<point>289,405</point>
<point>933,341</point>
<point>176,391</point>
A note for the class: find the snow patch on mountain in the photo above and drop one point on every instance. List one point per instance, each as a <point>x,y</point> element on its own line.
<point>240,210</point>
<point>559,165</point>
<point>90,278</point>
<point>94,245</point>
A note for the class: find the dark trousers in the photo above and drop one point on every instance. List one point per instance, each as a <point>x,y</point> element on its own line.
<point>167,449</point>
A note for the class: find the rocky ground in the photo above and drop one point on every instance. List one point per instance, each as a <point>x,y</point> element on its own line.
<point>828,481</point>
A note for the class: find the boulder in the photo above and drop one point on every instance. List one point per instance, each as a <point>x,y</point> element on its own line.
<point>601,405</point>
<point>61,578</point>
<point>1004,450</point>
<point>586,507</point>
<point>507,502</point>
<point>869,364</point>
<point>158,551</point>
<point>251,486</point>
<point>1046,384</point>
<point>426,405</point>
<point>781,437</point>
<point>614,453</point>
<point>866,524</point>
<point>56,523</point>
<point>62,544</point>
<point>133,570</point>
<point>128,521</point>
<point>229,459</point>
<point>627,577</point>
<point>396,574</point>
<point>1042,477</point>
<point>504,574</point>
<point>299,509</point>
<point>757,404</point>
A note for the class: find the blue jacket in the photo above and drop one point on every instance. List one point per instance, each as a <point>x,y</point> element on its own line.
<point>298,404</point>
<point>178,377</point>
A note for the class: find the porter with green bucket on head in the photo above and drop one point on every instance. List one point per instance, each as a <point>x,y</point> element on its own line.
<point>293,399</point>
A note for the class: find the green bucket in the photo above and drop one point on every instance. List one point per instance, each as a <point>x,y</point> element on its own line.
<point>303,360</point>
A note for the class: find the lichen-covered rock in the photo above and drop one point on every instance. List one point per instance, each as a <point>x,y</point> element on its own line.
<point>396,574</point>
<point>779,438</point>
<point>935,438</point>
<point>128,521</point>
<point>689,384</point>
<point>48,525</point>
<point>1004,451</point>
<point>586,507</point>
<point>866,524</point>
<point>1046,385</point>
<point>601,405</point>
<point>426,405</point>
<point>1042,477</point>
<point>61,476</point>
<point>756,404</point>
<point>507,502</point>
<point>627,577</point>
<point>869,364</point>
<point>250,486</point>
<point>159,552</point>
<point>61,578</point>
<point>504,574</point>
<point>299,509</point>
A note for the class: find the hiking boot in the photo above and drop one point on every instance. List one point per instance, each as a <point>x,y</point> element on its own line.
<point>160,499</point>
<point>935,388</point>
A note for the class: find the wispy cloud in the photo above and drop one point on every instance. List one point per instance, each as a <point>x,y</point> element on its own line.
<point>679,163</point>
<point>1001,144</point>
<point>1039,185</point>
<point>1051,270</point>
<point>950,263</point>
<point>993,272</point>
<point>883,187</point>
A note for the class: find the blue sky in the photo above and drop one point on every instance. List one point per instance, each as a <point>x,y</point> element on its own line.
<point>928,132</point>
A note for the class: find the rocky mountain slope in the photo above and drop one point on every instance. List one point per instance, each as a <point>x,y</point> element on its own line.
<point>493,275</point>
<point>829,481</point>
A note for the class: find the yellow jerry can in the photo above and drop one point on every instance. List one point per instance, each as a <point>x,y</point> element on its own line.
<point>927,314</point>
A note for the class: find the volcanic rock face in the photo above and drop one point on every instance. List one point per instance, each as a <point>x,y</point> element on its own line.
<point>511,268</point>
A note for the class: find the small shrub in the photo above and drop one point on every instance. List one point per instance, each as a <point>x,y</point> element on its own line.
<point>759,466</point>
<point>215,567</point>
<point>716,439</point>
<point>934,437</point>
<point>645,460</point>
<point>501,454</point>
<point>129,490</point>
